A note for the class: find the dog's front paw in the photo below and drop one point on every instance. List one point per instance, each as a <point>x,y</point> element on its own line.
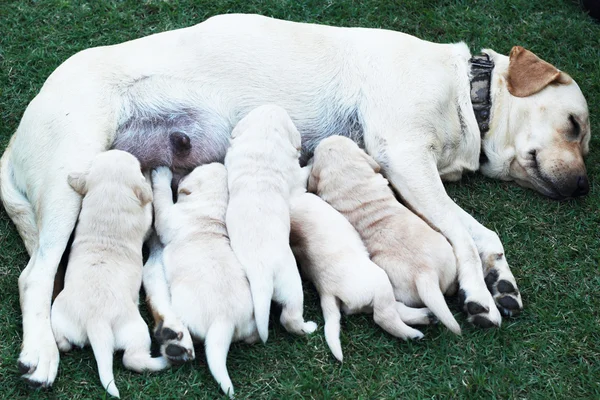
<point>175,342</point>
<point>162,174</point>
<point>480,308</point>
<point>504,289</point>
<point>38,362</point>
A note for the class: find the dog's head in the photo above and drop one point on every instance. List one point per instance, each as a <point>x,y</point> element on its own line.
<point>540,129</point>
<point>115,166</point>
<point>340,154</point>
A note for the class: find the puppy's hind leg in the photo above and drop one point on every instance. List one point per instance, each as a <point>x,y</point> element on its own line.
<point>217,342</point>
<point>288,292</point>
<point>134,338</point>
<point>415,316</point>
<point>386,316</point>
<point>430,293</point>
<point>62,327</point>
<point>332,316</point>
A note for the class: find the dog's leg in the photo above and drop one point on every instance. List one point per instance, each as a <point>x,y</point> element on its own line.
<point>413,173</point>
<point>58,213</point>
<point>386,316</point>
<point>332,317</point>
<point>163,200</point>
<point>133,337</point>
<point>415,316</point>
<point>174,338</point>
<point>498,277</point>
<point>288,292</point>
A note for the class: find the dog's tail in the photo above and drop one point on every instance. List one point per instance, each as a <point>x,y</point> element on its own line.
<point>431,295</point>
<point>261,288</point>
<point>218,339</point>
<point>331,315</point>
<point>103,343</point>
<point>17,205</point>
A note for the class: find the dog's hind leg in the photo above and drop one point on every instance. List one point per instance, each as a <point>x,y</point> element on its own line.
<point>415,316</point>
<point>133,337</point>
<point>431,295</point>
<point>332,317</point>
<point>217,342</point>
<point>288,292</point>
<point>498,276</point>
<point>103,344</point>
<point>168,330</point>
<point>386,316</point>
<point>16,204</point>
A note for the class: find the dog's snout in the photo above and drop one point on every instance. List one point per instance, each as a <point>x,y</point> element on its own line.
<point>583,187</point>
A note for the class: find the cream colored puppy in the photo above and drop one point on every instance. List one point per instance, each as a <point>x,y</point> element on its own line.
<point>209,290</point>
<point>333,257</point>
<point>263,171</point>
<point>419,261</point>
<point>99,303</point>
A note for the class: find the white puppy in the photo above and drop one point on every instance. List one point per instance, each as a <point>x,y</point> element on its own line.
<point>418,260</point>
<point>99,303</point>
<point>263,170</point>
<point>333,257</point>
<point>209,290</point>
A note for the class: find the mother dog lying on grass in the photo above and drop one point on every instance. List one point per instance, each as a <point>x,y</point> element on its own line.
<point>425,112</point>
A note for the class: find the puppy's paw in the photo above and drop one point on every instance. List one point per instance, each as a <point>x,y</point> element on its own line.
<point>480,308</point>
<point>38,362</point>
<point>309,327</point>
<point>414,334</point>
<point>504,289</point>
<point>161,175</point>
<point>175,342</point>
<point>415,316</point>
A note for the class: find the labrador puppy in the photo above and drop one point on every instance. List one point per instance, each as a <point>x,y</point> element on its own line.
<point>263,172</point>
<point>419,261</point>
<point>99,303</point>
<point>426,112</point>
<point>209,289</point>
<point>333,257</point>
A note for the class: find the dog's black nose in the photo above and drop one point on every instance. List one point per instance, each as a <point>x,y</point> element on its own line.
<point>583,187</point>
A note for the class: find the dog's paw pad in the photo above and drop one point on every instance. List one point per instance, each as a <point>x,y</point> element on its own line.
<point>506,287</point>
<point>433,320</point>
<point>482,322</point>
<point>479,315</point>
<point>505,293</point>
<point>177,354</point>
<point>24,368</point>
<point>164,334</point>
<point>476,308</point>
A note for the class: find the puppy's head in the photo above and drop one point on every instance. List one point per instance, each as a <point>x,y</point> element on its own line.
<point>269,119</point>
<point>340,155</point>
<point>205,178</point>
<point>548,123</point>
<point>117,167</point>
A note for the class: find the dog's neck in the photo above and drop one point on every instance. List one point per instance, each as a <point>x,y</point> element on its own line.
<point>497,147</point>
<point>481,78</point>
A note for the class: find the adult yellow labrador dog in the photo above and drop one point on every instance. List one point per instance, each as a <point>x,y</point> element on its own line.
<point>425,112</point>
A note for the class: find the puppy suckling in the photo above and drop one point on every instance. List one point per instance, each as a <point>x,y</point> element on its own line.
<point>263,171</point>
<point>99,303</point>
<point>333,257</point>
<point>209,289</point>
<point>419,261</point>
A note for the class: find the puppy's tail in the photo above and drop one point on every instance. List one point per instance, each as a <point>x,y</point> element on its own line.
<point>103,344</point>
<point>431,295</point>
<point>332,316</point>
<point>218,339</point>
<point>262,292</point>
<point>17,205</point>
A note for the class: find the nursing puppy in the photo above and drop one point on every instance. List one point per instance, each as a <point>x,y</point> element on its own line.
<point>263,171</point>
<point>99,303</point>
<point>333,257</point>
<point>209,290</point>
<point>420,262</point>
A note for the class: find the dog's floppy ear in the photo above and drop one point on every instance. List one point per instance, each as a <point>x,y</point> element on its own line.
<point>143,192</point>
<point>372,163</point>
<point>78,181</point>
<point>528,74</point>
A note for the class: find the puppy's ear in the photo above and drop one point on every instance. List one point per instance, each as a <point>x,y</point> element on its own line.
<point>143,192</point>
<point>528,74</point>
<point>372,163</point>
<point>78,181</point>
<point>313,179</point>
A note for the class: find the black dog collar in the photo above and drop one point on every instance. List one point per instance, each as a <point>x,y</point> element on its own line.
<point>481,77</point>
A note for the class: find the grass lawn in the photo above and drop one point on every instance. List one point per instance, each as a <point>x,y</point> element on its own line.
<point>551,351</point>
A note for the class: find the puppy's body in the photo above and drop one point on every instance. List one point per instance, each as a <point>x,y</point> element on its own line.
<point>209,290</point>
<point>99,303</point>
<point>263,171</point>
<point>420,262</point>
<point>333,257</point>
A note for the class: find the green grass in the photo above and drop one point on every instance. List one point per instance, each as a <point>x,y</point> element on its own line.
<point>550,351</point>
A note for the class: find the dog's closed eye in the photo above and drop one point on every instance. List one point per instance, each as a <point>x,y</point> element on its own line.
<point>576,128</point>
